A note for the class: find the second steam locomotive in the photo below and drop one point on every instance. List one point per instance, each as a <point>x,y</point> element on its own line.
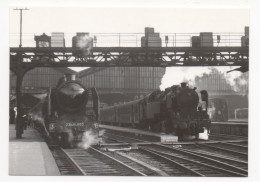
<point>178,110</point>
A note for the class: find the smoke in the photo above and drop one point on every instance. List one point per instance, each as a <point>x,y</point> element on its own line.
<point>175,75</point>
<point>241,83</point>
<point>86,44</point>
<point>90,138</point>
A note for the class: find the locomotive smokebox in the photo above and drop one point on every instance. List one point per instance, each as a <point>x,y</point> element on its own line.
<point>183,84</point>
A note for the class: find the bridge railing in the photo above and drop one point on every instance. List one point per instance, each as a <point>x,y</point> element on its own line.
<point>134,39</point>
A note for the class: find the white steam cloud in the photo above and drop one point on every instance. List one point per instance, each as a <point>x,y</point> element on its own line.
<point>86,44</point>
<point>176,75</point>
<point>90,138</point>
<point>204,135</point>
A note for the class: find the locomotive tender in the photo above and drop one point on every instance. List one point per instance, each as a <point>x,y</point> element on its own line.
<point>68,110</point>
<point>179,110</point>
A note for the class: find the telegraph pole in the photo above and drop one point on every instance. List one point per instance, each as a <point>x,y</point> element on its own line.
<point>21,22</point>
<point>20,71</point>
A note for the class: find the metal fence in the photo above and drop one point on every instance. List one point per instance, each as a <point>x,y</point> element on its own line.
<point>134,39</point>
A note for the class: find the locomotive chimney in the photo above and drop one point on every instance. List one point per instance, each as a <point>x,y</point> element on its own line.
<point>71,77</point>
<point>183,85</point>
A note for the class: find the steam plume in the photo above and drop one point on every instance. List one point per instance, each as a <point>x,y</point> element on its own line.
<point>86,44</point>
<point>175,75</point>
<point>90,138</point>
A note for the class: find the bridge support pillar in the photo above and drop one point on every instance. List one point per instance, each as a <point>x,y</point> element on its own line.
<point>19,125</point>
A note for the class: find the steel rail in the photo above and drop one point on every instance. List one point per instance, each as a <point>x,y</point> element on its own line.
<point>119,162</point>
<point>223,149</point>
<point>206,158</point>
<point>200,164</point>
<point>230,137</point>
<point>171,161</point>
<point>241,146</point>
<point>73,162</point>
<point>216,156</point>
<point>159,172</point>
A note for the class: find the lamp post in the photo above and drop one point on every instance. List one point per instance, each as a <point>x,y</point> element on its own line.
<point>21,22</point>
<point>20,71</point>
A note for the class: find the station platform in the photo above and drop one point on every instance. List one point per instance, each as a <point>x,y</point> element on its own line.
<point>230,128</point>
<point>140,134</point>
<point>30,156</point>
<point>233,120</point>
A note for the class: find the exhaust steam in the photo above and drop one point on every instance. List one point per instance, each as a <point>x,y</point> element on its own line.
<point>90,138</point>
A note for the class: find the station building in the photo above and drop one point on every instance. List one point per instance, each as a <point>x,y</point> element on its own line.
<point>218,86</point>
<point>114,84</point>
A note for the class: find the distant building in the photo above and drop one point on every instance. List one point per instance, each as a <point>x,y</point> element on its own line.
<point>218,86</point>
<point>114,84</point>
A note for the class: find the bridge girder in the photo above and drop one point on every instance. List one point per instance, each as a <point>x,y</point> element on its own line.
<point>133,56</point>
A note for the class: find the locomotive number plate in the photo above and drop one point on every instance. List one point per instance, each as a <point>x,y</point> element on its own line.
<point>74,124</point>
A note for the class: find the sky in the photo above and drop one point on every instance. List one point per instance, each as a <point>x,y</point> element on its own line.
<point>130,20</point>
<point>125,20</point>
<point>37,20</point>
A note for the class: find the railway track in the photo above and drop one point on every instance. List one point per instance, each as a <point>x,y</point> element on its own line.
<point>64,162</point>
<point>226,137</point>
<point>220,163</point>
<point>205,165</point>
<point>222,158</point>
<point>233,148</point>
<point>97,163</point>
<point>145,168</point>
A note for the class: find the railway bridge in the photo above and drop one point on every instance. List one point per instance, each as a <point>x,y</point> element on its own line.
<point>23,59</point>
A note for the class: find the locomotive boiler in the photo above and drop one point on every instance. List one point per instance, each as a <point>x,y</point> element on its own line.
<point>179,110</point>
<point>68,110</point>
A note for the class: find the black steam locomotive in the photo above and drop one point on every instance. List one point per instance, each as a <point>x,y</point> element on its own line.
<point>67,111</point>
<point>178,110</point>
